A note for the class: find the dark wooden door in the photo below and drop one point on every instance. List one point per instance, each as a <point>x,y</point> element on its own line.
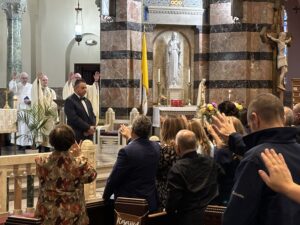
<point>87,71</point>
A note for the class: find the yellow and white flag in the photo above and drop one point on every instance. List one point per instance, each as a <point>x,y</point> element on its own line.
<point>145,81</point>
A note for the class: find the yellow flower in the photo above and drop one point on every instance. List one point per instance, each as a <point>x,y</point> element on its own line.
<point>238,106</point>
<point>210,107</point>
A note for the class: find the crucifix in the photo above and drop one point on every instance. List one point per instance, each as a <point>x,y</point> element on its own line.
<point>296,9</point>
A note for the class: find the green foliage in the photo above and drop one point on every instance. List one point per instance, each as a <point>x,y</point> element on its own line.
<point>36,119</point>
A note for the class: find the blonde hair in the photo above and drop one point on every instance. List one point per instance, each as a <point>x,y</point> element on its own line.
<point>170,127</point>
<point>201,136</point>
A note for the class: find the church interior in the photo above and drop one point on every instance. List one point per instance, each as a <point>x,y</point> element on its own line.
<point>199,53</point>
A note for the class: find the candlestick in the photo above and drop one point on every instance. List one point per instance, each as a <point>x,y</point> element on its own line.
<point>189,93</point>
<point>6,106</point>
<point>189,75</point>
<point>158,75</point>
<point>158,93</point>
<point>15,100</point>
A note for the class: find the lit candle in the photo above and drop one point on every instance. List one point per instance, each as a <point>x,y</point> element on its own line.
<point>189,75</point>
<point>158,75</point>
<point>229,94</point>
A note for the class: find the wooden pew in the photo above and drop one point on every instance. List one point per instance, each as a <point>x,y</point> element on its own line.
<point>101,213</point>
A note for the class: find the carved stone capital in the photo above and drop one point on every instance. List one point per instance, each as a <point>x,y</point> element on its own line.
<point>13,8</point>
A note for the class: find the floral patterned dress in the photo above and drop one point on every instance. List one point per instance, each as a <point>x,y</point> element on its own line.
<point>61,194</point>
<point>167,158</point>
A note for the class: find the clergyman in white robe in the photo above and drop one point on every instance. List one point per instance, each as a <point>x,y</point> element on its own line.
<point>93,94</point>
<point>22,90</point>
<point>45,96</point>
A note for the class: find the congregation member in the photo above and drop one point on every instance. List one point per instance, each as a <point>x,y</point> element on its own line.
<point>288,116</point>
<point>43,95</point>
<point>252,202</point>
<point>170,126</point>
<point>62,176</point>
<point>205,146</point>
<point>192,182</point>
<point>79,112</point>
<point>279,178</point>
<point>229,109</point>
<point>22,90</point>
<point>296,111</point>
<point>133,174</point>
<point>229,162</point>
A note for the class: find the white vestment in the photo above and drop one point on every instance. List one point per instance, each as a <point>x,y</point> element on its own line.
<point>68,90</point>
<point>44,97</point>
<point>93,94</point>
<point>22,92</point>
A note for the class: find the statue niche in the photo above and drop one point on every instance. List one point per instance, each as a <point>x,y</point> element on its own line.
<point>171,65</point>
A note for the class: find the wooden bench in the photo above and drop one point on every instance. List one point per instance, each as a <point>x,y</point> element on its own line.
<point>103,214</point>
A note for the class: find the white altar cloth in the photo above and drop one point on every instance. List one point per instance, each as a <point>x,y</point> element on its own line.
<point>168,110</point>
<point>8,120</point>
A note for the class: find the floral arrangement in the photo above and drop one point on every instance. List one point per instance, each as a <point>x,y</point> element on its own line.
<point>239,106</point>
<point>207,111</point>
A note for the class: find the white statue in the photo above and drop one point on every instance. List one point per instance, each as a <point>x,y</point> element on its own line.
<point>201,93</point>
<point>173,61</point>
<point>281,58</point>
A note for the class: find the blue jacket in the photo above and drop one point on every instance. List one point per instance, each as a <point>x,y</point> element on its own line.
<point>252,202</point>
<point>134,172</point>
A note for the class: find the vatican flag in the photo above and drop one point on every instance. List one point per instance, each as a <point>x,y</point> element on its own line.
<point>145,81</point>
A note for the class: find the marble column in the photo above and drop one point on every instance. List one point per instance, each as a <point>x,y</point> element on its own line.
<point>14,10</point>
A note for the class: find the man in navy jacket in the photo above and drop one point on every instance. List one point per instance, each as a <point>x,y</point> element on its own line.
<point>134,172</point>
<point>252,202</point>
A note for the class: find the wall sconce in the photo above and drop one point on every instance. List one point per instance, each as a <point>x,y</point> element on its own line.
<point>78,24</point>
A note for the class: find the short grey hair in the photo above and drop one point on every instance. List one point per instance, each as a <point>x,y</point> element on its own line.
<point>142,126</point>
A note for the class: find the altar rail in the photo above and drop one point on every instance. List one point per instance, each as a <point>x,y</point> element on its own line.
<point>15,168</point>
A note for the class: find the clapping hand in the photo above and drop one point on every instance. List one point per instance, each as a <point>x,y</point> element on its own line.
<point>125,131</point>
<point>75,149</point>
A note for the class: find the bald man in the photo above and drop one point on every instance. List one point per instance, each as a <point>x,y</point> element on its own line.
<point>192,182</point>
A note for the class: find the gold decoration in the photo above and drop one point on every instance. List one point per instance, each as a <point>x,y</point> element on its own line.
<point>176,3</point>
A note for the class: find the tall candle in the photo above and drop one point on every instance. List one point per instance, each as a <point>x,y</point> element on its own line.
<point>229,94</point>
<point>15,101</point>
<point>189,75</point>
<point>158,75</point>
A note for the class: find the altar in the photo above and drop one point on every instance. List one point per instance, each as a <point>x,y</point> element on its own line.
<point>8,123</point>
<point>159,111</point>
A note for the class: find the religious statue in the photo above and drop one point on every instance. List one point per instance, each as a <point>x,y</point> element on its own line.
<point>173,62</point>
<point>201,104</point>
<point>282,65</point>
<point>201,93</point>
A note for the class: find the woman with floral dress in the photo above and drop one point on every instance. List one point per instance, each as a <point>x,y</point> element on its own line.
<point>62,176</point>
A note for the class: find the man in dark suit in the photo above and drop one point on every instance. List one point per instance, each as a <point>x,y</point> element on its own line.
<point>134,172</point>
<point>79,112</point>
